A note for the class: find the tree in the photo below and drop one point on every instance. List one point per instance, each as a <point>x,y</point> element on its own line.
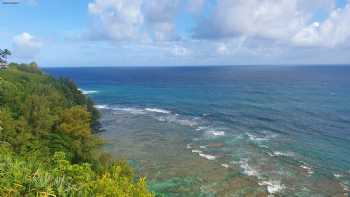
<point>47,147</point>
<point>3,55</point>
<point>75,122</point>
<point>36,110</point>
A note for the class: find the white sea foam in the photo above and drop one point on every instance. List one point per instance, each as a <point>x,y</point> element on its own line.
<point>256,138</point>
<point>157,113</point>
<point>270,154</point>
<point>88,91</point>
<point>185,122</point>
<point>201,154</point>
<point>196,151</point>
<point>285,154</point>
<point>203,147</point>
<point>338,175</point>
<point>134,110</point>
<point>101,107</point>
<point>225,165</point>
<point>189,146</point>
<point>157,110</point>
<point>201,128</point>
<point>178,120</point>
<point>209,157</point>
<point>270,134</point>
<point>273,186</point>
<point>131,110</point>
<point>247,169</point>
<point>307,168</point>
<point>341,181</point>
<point>345,187</point>
<point>216,133</point>
<point>162,118</point>
<point>263,146</point>
<point>266,136</point>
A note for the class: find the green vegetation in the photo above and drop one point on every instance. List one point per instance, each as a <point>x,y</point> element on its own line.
<point>47,141</point>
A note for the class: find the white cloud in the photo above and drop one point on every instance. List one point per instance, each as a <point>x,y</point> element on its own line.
<point>312,5</point>
<point>163,31</point>
<point>334,31</point>
<point>230,46</point>
<point>287,21</point>
<point>222,49</point>
<point>160,16</point>
<point>26,46</point>
<point>178,50</point>
<point>117,19</point>
<point>160,10</point>
<point>273,19</point>
<point>121,20</point>
<point>195,6</point>
<point>257,31</point>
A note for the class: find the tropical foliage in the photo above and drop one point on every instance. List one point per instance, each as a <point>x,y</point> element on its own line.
<point>47,141</point>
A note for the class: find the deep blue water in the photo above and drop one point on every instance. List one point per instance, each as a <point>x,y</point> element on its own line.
<point>289,126</point>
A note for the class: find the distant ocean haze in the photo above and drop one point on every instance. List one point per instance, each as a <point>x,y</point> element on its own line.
<point>287,127</point>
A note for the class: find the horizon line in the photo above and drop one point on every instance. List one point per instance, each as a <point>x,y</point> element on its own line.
<point>189,66</point>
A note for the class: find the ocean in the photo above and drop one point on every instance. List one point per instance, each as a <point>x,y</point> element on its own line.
<point>226,130</point>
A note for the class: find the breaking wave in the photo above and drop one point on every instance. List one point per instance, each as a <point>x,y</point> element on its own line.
<point>87,92</point>
<point>163,111</point>
<point>273,186</point>
<point>159,114</point>
<point>206,156</point>
<point>131,110</point>
<point>102,107</point>
<point>216,133</point>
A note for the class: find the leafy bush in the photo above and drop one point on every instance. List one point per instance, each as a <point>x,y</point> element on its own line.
<point>58,177</point>
<point>47,141</point>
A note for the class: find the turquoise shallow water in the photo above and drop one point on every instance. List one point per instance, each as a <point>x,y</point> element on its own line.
<point>222,131</point>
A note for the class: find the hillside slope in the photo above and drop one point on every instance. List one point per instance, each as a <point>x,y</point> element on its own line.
<point>47,141</point>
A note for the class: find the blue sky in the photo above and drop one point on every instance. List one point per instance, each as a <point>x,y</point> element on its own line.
<point>176,32</point>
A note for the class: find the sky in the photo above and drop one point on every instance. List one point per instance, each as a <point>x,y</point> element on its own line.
<point>77,33</point>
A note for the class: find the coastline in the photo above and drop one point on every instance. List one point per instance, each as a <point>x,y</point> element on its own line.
<point>164,158</point>
<point>173,163</point>
<point>246,131</point>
